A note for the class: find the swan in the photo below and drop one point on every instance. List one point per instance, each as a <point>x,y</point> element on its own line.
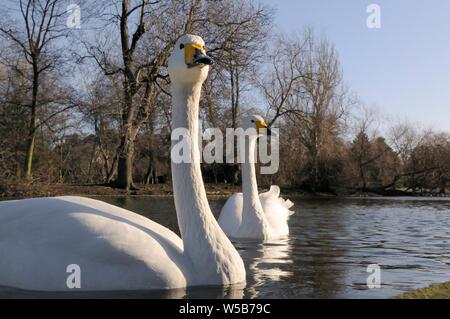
<point>248,215</point>
<point>117,249</point>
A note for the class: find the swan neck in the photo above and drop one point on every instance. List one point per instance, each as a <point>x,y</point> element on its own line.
<point>213,256</point>
<point>249,184</point>
<point>253,219</point>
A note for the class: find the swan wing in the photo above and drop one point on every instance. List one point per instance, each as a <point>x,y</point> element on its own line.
<point>231,214</point>
<point>274,191</point>
<point>115,249</point>
<point>274,195</point>
<point>277,210</point>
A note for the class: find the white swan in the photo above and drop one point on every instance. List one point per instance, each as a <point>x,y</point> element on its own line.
<point>117,249</point>
<point>248,215</point>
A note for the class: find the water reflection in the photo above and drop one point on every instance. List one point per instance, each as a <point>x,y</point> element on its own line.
<point>331,242</point>
<point>267,263</point>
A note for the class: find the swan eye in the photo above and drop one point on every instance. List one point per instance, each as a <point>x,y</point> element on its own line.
<point>181,46</point>
<point>253,121</point>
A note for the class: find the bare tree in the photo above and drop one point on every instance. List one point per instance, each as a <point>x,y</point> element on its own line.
<point>281,82</point>
<point>101,111</point>
<point>144,50</point>
<point>363,150</point>
<point>240,33</point>
<point>42,27</point>
<point>143,55</point>
<point>304,85</point>
<point>12,122</point>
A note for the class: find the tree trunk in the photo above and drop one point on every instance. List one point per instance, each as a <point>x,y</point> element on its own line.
<point>314,169</point>
<point>150,177</point>
<point>314,176</point>
<point>125,165</point>
<point>91,162</point>
<point>442,184</point>
<point>32,127</point>
<point>30,150</point>
<point>112,170</point>
<point>363,178</point>
<point>128,132</point>
<point>234,78</point>
<point>233,99</point>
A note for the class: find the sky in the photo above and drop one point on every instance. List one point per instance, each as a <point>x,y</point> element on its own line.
<point>402,68</point>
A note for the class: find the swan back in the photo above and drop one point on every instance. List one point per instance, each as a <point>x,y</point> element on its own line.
<point>115,249</point>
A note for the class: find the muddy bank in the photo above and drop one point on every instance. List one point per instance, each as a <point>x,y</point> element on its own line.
<point>36,189</point>
<point>48,190</point>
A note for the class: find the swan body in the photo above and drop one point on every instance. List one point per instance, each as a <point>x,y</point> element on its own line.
<point>249,215</point>
<point>117,249</point>
<point>276,209</point>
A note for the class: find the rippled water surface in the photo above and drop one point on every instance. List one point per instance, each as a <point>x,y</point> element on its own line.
<point>331,244</point>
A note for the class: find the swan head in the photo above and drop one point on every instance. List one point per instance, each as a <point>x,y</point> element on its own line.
<point>256,122</point>
<point>188,63</point>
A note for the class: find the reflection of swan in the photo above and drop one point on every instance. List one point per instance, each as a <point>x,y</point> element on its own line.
<point>267,263</point>
<point>117,249</point>
<point>247,214</point>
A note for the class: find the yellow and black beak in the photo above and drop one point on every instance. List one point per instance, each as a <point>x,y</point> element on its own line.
<point>260,125</point>
<point>195,55</point>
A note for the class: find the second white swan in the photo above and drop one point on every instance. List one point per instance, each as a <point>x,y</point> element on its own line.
<point>248,215</point>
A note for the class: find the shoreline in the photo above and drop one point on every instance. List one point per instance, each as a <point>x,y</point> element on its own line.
<point>23,190</point>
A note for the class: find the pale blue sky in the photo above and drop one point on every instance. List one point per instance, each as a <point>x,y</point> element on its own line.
<point>403,68</point>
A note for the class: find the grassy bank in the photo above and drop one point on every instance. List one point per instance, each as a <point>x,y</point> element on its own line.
<point>435,291</point>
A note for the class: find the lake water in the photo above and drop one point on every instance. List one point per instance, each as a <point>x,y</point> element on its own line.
<point>332,242</point>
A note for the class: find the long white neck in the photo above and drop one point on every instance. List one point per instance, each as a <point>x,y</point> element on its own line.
<point>253,219</point>
<point>214,258</point>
